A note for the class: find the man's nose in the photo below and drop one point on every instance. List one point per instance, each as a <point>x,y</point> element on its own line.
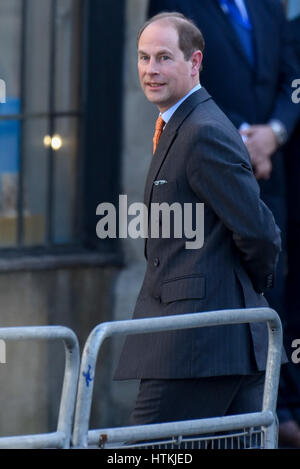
<point>152,66</point>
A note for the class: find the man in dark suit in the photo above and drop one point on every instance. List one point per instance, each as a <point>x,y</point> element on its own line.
<point>200,158</point>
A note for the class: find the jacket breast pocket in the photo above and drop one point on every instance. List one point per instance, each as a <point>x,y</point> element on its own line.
<point>183,288</point>
<point>164,191</point>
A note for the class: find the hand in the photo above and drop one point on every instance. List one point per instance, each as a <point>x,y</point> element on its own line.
<point>263,169</point>
<point>261,143</point>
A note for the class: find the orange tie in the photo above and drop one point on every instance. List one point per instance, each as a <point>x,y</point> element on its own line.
<point>158,131</point>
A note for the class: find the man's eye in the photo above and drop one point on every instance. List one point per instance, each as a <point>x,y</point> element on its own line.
<point>165,57</point>
<point>143,57</point>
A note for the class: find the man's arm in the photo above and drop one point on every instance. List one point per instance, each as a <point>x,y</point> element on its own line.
<point>219,172</point>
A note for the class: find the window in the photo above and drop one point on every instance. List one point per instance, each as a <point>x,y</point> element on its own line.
<point>40,122</point>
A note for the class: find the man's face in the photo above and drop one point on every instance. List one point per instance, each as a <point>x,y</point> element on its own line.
<point>165,75</point>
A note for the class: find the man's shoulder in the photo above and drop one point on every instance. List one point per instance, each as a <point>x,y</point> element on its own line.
<point>200,117</point>
<point>208,125</point>
<point>208,115</point>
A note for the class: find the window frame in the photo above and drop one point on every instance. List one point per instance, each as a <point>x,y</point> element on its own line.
<point>98,19</point>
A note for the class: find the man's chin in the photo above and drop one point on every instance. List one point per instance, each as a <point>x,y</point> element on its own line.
<point>158,101</point>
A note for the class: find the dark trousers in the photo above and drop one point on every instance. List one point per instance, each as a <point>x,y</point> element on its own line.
<point>186,399</point>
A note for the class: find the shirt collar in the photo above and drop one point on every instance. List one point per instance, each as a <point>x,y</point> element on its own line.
<point>169,113</point>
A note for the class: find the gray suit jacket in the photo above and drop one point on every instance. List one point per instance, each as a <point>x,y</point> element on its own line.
<point>203,159</point>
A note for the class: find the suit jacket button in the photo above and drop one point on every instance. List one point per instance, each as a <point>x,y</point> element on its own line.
<point>156,262</point>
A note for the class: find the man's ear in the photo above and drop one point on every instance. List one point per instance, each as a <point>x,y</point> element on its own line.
<point>196,60</point>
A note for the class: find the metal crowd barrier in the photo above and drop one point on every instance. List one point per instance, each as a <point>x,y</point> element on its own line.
<point>253,430</point>
<point>62,437</point>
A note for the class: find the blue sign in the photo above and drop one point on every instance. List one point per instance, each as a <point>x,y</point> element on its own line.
<point>9,137</point>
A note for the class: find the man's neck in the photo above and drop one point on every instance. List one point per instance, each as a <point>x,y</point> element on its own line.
<point>166,115</point>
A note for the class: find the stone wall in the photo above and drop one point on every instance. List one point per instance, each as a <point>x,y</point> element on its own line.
<point>31,378</point>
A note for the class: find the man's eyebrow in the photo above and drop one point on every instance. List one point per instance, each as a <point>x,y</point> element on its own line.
<point>160,52</point>
<point>141,52</point>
